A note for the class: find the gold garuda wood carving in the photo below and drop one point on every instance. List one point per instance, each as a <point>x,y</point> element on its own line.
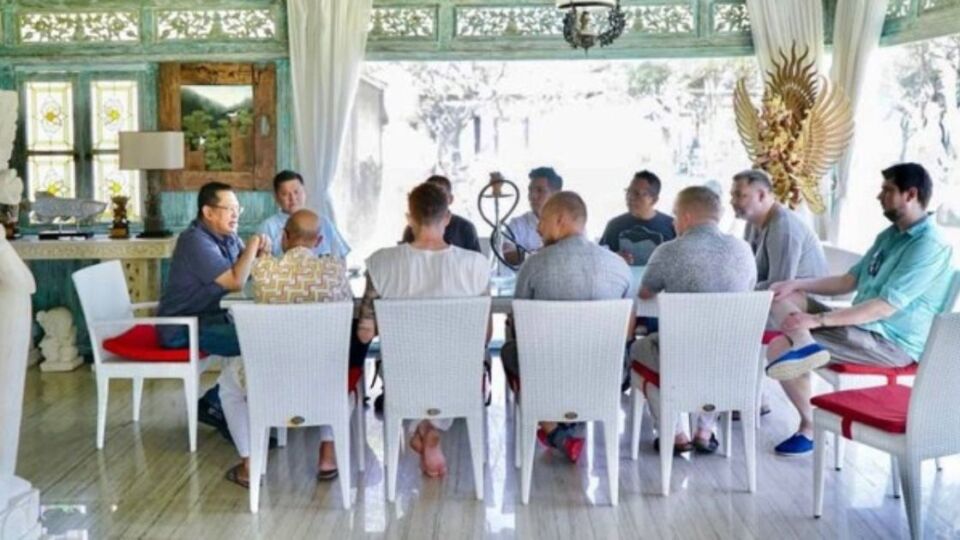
<point>801,130</point>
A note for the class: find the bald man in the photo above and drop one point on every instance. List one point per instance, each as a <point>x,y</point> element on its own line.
<point>296,278</point>
<point>568,267</point>
<point>701,259</point>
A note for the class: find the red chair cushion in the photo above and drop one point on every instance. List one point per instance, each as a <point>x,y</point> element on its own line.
<point>353,377</point>
<point>648,374</point>
<point>770,335</point>
<point>141,343</point>
<point>890,373</point>
<point>881,407</point>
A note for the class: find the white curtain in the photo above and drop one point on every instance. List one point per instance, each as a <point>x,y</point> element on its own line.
<point>327,42</point>
<point>778,25</point>
<point>856,34</point>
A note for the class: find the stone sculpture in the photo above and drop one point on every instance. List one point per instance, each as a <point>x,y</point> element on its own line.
<point>57,345</point>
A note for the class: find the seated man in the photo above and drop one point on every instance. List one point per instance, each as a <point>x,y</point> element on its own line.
<point>786,248</point>
<point>569,267</point>
<point>901,284</point>
<point>290,196</point>
<point>701,259</point>
<point>544,182</point>
<point>208,262</point>
<point>637,233</point>
<point>427,267</point>
<point>460,232</point>
<point>298,277</point>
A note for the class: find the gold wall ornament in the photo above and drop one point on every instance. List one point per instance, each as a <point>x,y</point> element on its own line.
<point>801,130</point>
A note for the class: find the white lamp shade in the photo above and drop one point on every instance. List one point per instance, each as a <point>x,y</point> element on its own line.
<point>151,150</point>
<point>564,4</point>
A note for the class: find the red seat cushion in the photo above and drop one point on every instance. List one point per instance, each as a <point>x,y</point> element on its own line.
<point>881,407</point>
<point>770,335</point>
<point>890,373</point>
<point>648,374</point>
<point>353,377</point>
<point>141,343</point>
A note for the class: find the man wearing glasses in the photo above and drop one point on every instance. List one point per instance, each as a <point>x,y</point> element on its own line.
<point>635,234</point>
<point>208,262</point>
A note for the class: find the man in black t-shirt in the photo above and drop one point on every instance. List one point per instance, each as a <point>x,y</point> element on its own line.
<point>635,234</point>
<point>459,232</point>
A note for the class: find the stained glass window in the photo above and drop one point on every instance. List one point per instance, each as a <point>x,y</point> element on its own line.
<point>113,108</point>
<point>53,174</point>
<point>49,116</point>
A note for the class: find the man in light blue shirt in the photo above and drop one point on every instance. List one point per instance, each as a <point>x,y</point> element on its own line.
<point>901,283</point>
<point>291,196</point>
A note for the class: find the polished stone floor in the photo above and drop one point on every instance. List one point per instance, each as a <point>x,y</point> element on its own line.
<point>145,483</point>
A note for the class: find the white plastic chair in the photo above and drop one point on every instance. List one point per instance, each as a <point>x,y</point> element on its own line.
<point>930,432</point>
<point>433,352</point>
<point>846,381</point>
<point>296,361</point>
<point>571,365</point>
<point>709,346</point>
<point>106,306</point>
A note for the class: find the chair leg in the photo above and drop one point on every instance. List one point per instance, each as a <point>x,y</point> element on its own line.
<point>636,420</point>
<point>477,445</point>
<point>838,443</point>
<point>258,450</point>
<point>895,474</point>
<point>341,447</point>
<point>190,392</point>
<point>359,441</point>
<point>819,450</point>
<point>266,454</point>
<point>517,436</point>
<point>103,396</point>
<point>611,442</point>
<point>939,465</point>
<point>137,397</point>
<point>727,421</point>
<point>668,419</point>
<point>528,436</point>
<point>391,441</point>
<point>281,437</point>
<point>911,477</point>
<point>749,447</point>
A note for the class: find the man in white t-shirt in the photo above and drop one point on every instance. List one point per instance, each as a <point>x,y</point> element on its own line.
<point>544,182</point>
<point>427,267</point>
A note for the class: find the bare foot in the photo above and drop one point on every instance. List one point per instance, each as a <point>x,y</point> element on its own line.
<point>432,461</point>
<point>327,460</point>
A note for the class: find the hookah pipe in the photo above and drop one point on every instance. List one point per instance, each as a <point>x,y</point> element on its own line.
<point>494,190</point>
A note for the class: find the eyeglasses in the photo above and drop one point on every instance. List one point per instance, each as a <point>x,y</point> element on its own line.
<point>236,210</point>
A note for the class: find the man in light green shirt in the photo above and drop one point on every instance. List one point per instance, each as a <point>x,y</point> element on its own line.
<point>902,282</point>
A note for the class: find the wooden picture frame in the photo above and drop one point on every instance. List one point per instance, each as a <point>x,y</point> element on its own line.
<point>256,171</point>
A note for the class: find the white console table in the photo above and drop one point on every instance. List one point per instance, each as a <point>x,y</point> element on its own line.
<point>140,257</point>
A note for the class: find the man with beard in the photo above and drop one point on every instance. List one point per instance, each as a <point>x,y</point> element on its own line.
<point>901,284</point>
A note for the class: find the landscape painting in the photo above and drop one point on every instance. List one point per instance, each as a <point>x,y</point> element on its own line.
<point>217,121</point>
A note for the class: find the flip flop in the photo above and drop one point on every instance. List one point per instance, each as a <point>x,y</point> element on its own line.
<point>326,476</point>
<point>678,449</point>
<point>706,447</point>
<point>233,475</point>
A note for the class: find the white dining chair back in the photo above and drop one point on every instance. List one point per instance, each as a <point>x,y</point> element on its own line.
<point>839,262</point>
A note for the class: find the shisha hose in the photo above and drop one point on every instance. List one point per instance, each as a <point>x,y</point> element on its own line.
<point>494,191</point>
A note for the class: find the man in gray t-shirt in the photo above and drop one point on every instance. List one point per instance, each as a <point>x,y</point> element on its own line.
<point>786,248</point>
<point>701,259</point>
<point>569,267</point>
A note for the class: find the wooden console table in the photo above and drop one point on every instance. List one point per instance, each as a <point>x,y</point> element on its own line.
<point>140,258</point>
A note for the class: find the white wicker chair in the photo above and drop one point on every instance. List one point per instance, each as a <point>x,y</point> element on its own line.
<point>106,306</point>
<point>842,380</point>
<point>296,362</point>
<point>433,352</point>
<point>839,262</point>
<point>709,346</point>
<point>929,432</point>
<point>571,365</point>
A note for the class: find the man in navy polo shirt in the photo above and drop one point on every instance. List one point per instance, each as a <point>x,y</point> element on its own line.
<point>208,262</point>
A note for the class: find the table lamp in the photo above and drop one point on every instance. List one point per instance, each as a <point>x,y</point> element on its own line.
<point>152,151</point>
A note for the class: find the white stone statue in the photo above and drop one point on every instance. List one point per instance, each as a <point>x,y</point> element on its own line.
<point>59,336</point>
<point>19,502</point>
